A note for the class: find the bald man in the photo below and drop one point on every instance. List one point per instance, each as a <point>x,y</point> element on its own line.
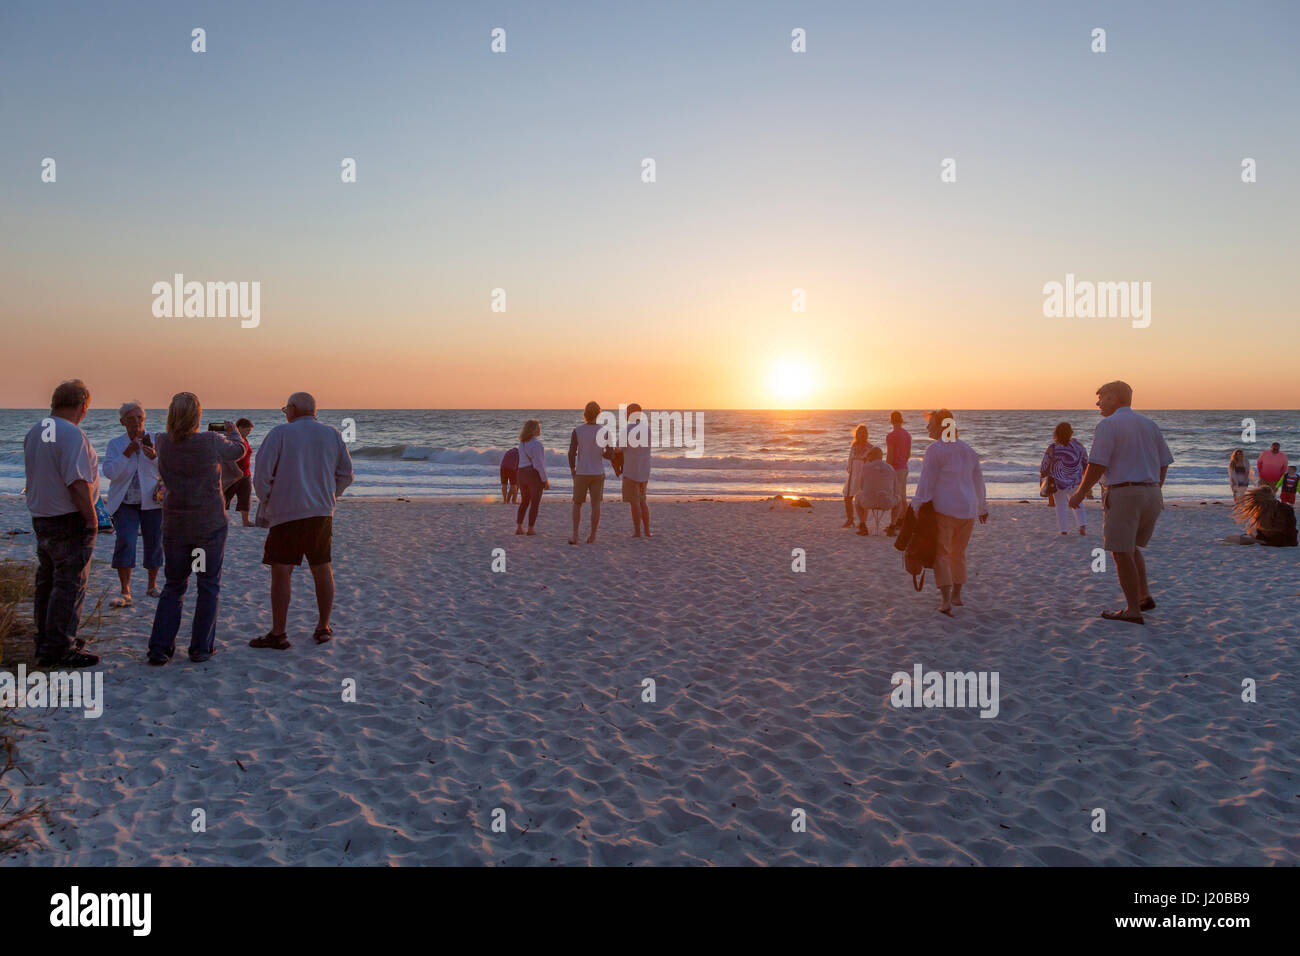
<point>301,469</point>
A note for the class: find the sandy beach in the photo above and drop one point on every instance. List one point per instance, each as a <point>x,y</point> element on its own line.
<point>523,690</point>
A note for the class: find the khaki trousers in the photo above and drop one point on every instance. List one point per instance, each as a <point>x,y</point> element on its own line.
<point>950,549</point>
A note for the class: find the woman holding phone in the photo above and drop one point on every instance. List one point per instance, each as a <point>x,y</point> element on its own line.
<point>193,525</point>
<point>134,501</point>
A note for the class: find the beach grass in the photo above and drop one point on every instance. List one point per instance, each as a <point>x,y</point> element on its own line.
<point>17,581</point>
<point>16,585</point>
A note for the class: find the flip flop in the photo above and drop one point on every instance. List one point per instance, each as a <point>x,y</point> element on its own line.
<point>278,642</point>
<point>1120,616</point>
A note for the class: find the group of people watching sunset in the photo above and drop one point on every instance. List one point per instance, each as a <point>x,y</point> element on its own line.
<point>1267,506</point>
<point>173,488</point>
<point>523,468</point>
<point>1129,456</point>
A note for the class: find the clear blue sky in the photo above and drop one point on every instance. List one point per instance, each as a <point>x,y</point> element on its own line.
<point>775,171</point>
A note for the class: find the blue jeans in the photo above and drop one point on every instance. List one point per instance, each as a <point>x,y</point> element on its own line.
<point>177,567</point>
<point>129,521</point>
<point>64,547</point>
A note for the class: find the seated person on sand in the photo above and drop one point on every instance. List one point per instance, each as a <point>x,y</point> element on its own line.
<point>875,489</point>
<point>1268,521</point>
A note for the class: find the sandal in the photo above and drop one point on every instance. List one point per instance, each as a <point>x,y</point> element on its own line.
<point>278,642</point>
<point>1148,605</point>
<point>123,601</point>
<point>323,634</point>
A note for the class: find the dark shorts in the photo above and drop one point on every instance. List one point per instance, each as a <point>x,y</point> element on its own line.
<point>243,489</point>
<point>290,542</point>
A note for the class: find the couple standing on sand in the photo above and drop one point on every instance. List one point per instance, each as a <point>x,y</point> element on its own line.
<point>588,452</point>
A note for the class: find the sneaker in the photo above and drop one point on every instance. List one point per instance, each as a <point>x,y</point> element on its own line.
<point>79,659</point>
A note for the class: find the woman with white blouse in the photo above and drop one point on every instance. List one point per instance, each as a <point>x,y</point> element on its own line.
<point>134,501</point>
<point>532,475</point>
<point>952,482</point>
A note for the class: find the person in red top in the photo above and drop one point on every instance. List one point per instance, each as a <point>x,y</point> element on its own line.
<point>1271,466</point>
<point>898,444</point>
<point>236,477</point>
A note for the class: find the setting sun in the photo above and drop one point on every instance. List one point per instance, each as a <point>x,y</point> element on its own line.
<point>790,380</point>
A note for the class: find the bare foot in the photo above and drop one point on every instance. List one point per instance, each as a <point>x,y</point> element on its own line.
<point>648,534</point>
<point>636,534</point>
<point>573,541</point>
<point>531,531</point>
<point>590,540</point>
<point>945,609</point>
<point>519,530</point>
<point>958,602</point>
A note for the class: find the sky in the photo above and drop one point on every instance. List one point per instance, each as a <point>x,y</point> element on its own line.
<point>774,171</point>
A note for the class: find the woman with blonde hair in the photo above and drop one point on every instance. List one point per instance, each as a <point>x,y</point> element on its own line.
<point>193,525</point>
<point>1268,521</point>
<point>857,458</point>
<point>952,482</point>
<point>532,474</point>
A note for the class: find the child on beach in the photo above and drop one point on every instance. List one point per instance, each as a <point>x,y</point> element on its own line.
<point>1288,487</point>
<point>510,476</point>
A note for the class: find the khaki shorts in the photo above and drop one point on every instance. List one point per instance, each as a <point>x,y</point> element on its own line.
<point>634,491</point>
<point>584,483</point>
<point>900,485</point>
<point>1129,516</point>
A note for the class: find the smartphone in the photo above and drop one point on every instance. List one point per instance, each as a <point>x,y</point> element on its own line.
<point>216,428</point>
<point>146,440</point>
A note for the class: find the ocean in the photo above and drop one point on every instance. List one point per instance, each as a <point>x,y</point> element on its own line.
<point>442,453</point>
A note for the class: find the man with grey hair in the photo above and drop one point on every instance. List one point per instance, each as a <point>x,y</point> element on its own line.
<point>301,468</point>
<point>1130,453</point>
<point>62,488</point>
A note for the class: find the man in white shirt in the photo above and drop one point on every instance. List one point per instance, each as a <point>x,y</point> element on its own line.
<point>587,468</point>
<point>636,469</point>
<point>301,468</point>
<point>62,488</point>
<point>1130,452</point>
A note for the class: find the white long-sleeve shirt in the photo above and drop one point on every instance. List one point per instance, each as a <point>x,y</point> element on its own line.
<point>533,455</point>
<point>951,480</point>
<point>118,469</point>
<point>300,469</point>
